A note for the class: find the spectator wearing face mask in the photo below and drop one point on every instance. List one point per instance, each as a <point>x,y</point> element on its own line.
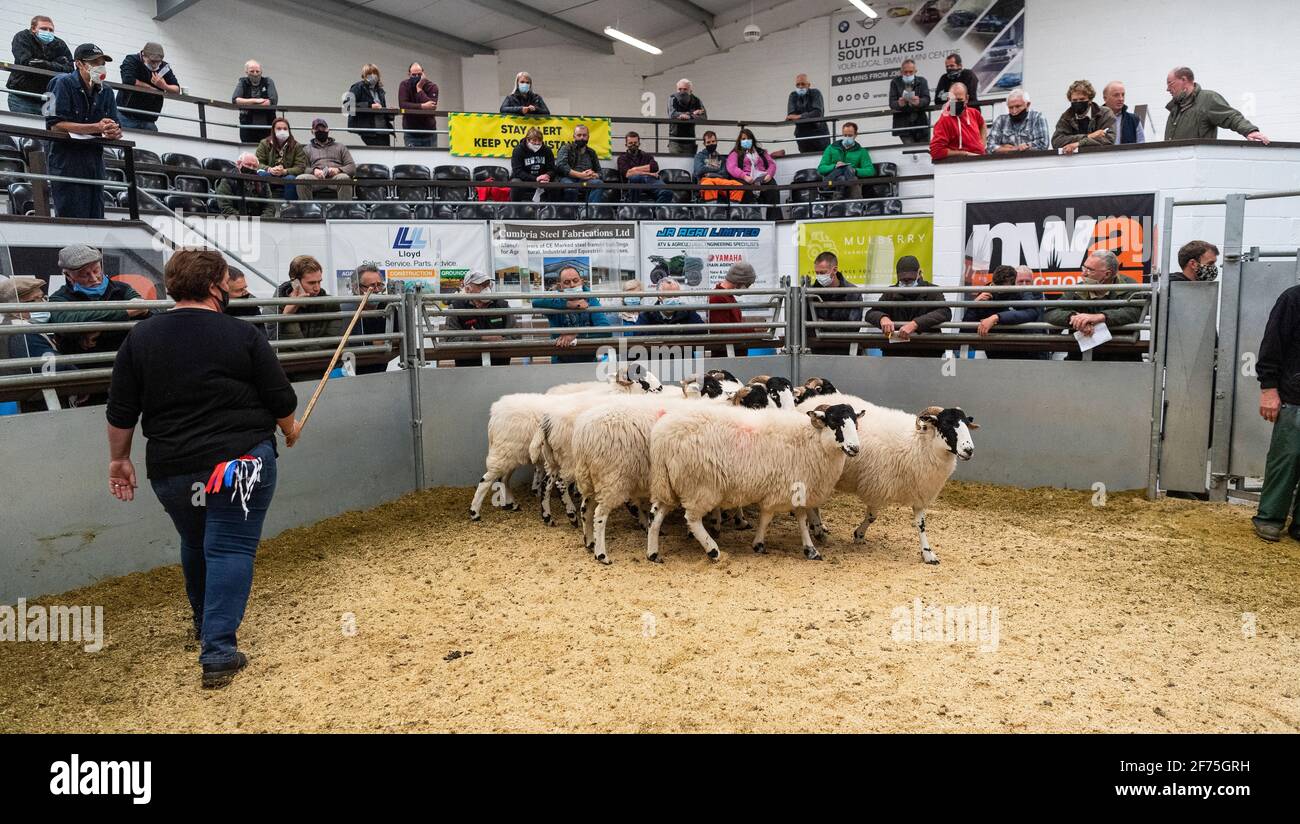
<point>902,322</point>
<point>523,100</point>
<point>953,73</point>
<point>995,313</point>
<point>1084,123</point>
<point>1021,129</point>
<point>532,162</point>
<point>33,344</point>
<point>666,314</point>
<point>805,103</point>
<point>239,305</point>
<point>630,318</point>
<point>244,188</point>
<point>256,90</point>
<point>1199,261</point>
<point>909,100</point>
<point>636,166</point>
<point>39,48</point>
<point>281,158</point>
<point>579,169</point>
<point>368,95</point>
<point>683,108</point>
<point>418,94</point>
<point>328,159</point>
<point>751,164</point>
<point>146,70</point>
<point>479,287</point>
<point>960,129</point>
<point>826,269</point>
<point>575,297</point>
<point>82,106</point>
<point>711,169</point>
<point>846,162</point>
<point>1100,267</point>
<point>1128,127</point>
<point>85,284</point>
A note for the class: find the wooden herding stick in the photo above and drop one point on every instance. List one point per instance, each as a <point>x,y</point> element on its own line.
<point>320,387</point>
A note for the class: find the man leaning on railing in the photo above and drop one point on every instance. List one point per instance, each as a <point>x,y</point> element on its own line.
<point>83,108</point>
<point>1101,267</point>
<point>305,276</point>
<point>480,283</point>
<point>86,284</point>
<point>39,48</point>
<point>576,297</point>
<point>900,323</point>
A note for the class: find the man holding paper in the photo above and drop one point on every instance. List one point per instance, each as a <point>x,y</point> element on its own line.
<point>1101,267</point>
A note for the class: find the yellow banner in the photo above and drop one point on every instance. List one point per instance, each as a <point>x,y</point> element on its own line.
<point>495,135</point>
<point>868,249</point>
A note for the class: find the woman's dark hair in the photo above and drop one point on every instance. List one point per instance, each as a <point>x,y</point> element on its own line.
<point>743,134</point>
<point>191,272</point>
<point>271,137</point>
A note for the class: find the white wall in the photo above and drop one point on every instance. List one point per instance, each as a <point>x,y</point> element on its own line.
<point>207,44</point>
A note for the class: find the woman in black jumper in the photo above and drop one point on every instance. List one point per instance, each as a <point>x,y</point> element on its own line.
<point>211,392</point>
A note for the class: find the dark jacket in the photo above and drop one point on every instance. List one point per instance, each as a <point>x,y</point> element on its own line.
<point>239,187</point>
<point>133,69</point>
<point>1203,115</point>
<point>364,95</point>
<point>668,317</point>
<point>262,91</point>
<point>527,165</point>
<point>905,116</point>
<point>479,323</point>
<point>630,160</point>
<point>966,77</point>
<point>410,95</point>
<point>1128,128</point>
<point>74,103</point>
<point>75,343</point>
<point>808,105</point>
<point>30,51</point>
<point>682,128</point>
<point>515,101</point>
<point>290,154</point>
<point>711,164</point>
<point>308,328</point>
<point>1279,351</point>
<point>1072,129</point>
<point>823,305</point>
<point>571,159</point>
<point>1115,316</point>
<point>927,320</point>
<point>1007,316</point>
<point>570,319</point>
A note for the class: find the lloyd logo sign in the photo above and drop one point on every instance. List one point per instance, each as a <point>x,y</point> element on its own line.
<point>409,237</point>
<point>1054,236</point>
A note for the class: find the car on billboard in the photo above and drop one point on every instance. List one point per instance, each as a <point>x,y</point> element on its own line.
<point>960,19</point>
<point>897,12</point>
<point>1009,81</point>
<point>991,25</point>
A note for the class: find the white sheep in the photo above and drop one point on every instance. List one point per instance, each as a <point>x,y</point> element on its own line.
<point>905,460</point>
<point>725,457</point>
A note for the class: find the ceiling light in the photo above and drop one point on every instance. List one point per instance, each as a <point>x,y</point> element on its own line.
<point>864,8</point>
<point>610,31</point>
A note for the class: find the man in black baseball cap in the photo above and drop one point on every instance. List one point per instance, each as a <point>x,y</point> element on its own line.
<point>80,105</point>
<point>902,322</point>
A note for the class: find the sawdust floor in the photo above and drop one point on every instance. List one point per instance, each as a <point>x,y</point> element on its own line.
<point>1126,617</point>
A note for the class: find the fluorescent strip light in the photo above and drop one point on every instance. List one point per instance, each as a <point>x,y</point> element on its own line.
<point>610,31</point>
<point>862,7</point>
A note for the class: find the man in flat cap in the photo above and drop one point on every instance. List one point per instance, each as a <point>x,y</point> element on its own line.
<point>741,275</point>
<point>83,107</point>
<point>86,284</point>
<point>146,70</point>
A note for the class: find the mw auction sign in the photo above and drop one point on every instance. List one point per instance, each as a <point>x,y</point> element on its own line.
<point>495,135</point>
<point>1053,236</point>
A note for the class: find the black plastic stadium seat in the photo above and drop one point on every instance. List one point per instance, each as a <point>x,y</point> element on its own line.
<point>181,161</point>
<point>302,210</point>
<point>625,213</point>
<point>747,213</point>
<point>151,180</point>
<point>190,184</point>
<point>798,211</point>
<point>112,153</point>
<point>146,156</point>
<point>185,203</point>
<point>8,166</point>
<point>21,201</point>
<point>373,191</point>
<point>114,173</point>
<point>609,174</point>
<point>805,195</point>
<point>390,211</point>
<point>453,173</point>
<point>678,176</point>
<point>412,171</point>
<point>345,211</point>
<point>219,164</point>
<point>604,211</point>
<point>883,169</point>
<point>432,211</point>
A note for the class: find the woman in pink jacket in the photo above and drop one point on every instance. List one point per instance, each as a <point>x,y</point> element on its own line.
<point>753,166</point>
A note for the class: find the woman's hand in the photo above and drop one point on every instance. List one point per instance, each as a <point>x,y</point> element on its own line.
<point>291,434</point>
<point>121,479</point>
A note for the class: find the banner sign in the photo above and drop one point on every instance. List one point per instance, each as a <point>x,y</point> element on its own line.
<point>1053,236</point>
<point>534,252</point>
<point>866,52</point>
<point>868,248</point>
<point>494,135</point>
<point>436,253</point>
<point>698,255</point>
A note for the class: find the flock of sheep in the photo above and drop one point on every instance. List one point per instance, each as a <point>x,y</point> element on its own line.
<point>717,448</point>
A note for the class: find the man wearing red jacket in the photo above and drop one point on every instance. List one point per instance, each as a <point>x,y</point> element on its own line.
<point>960,130</point>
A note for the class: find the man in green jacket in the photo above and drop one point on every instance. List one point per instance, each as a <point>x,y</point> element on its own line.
<point>1198,114</point>
<point>846,162</point>
<point>86,284</point>
<point>1101,267</point>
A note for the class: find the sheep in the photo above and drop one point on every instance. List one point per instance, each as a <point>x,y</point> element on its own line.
<point>551,447</point>
<point>711,456</point>
<point>644,382</point>
<point>779,389</point>
<point>905,460</point>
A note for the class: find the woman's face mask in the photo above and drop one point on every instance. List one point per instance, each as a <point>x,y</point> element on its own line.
<point>372,79</point>
<point>632,301</point>
<point>746,144</point>
<point>525,86</point>
<point>281,134</point>
<point>536,147</point>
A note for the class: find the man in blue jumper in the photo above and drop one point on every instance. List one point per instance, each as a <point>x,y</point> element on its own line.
<point>575,290</point>
<point>85,109</point>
